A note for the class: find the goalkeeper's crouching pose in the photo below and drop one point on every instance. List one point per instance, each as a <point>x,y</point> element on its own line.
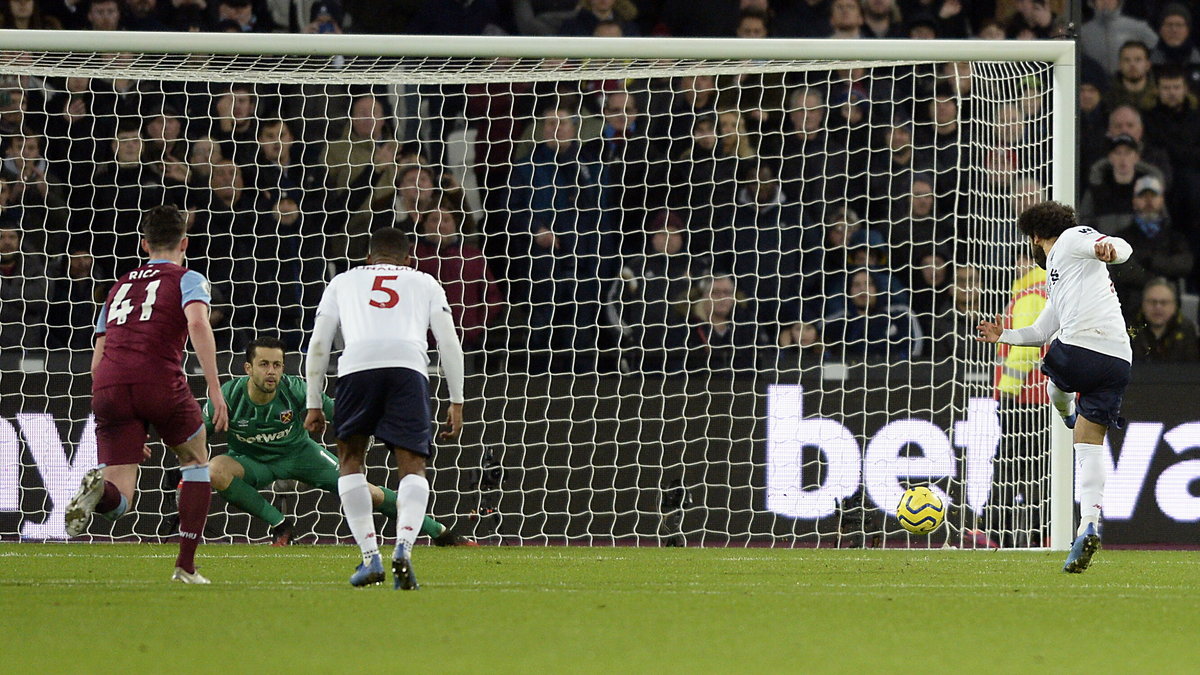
<point>267,442</point>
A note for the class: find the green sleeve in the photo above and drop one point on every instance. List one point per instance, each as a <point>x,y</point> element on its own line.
<point>328,406</point>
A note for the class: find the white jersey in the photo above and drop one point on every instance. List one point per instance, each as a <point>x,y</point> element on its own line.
<point>385,313</point>
<point>1082,305</point>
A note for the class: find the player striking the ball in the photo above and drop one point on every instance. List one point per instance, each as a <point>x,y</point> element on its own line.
<point>268,442</point>
<point>138,381</point>
<point>385,310</point>
<point>1091,355</point>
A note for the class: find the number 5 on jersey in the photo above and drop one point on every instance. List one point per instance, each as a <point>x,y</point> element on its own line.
<point>391,296</point>
<point>122,307</point>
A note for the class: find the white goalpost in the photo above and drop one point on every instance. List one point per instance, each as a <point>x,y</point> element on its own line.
<point>712,291</point>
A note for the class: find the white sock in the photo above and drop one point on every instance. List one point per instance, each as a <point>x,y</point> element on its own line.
<point>1090,465</point>
<point>356,505</point>
<point>412,498</point>
<point>1064,401</point>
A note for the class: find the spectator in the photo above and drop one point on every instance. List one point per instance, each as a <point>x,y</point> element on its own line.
<point>417,194</point>
<point>1175,125</point>
<point>1033,20</point>
<point>1160,333</point>
<point>1175,45</point>
<point>918,227</point>
<point>251,16</point>
<point>27,14</point>
<point>893,172</point>
<point>846,20</point>
<point>754,24</point>
<point>542,17</point>
<point>932,295</point>
<point>292,267</point>
<point>632,165</point>
<point>770,235</point>
<point>1158,249</point>
<point>105,15</point>
<point>361,166</point>
<point>824,268</point>
<point>325,17</point>
<point>1108,200</point>
<point>592,12</point>
<point>442,252</point>
<point>990,30</point>
<point>949,20</point>
<point>561,234</point>
<point>22,293</point>
<point>36,192</point>
<point>734,137</point>
<point>124,189</point>
<point>802,18</point>
<point>813,165</point>
<point>1127,120</point>
<point>649,302</point>
<point>921,26</point>
<point>703,179</point>
<point>1134,84</point>
<point>1093,123</point>
<point>235,116</point>
<point>945,139</point>
<point>869,330</point>
<point>281,168</point>
<point>1103,37</point>
<point>881,19</point>
<point>721,338</point>
<point>800,347</point>
<point>145,15</point>
<point>76,297</point>
<point>673,113</point>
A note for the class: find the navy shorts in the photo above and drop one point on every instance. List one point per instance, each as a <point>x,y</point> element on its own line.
<point>391,404</point>
<point>1099,379</point>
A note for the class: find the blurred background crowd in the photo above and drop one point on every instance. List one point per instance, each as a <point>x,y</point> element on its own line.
<point>717,223</point>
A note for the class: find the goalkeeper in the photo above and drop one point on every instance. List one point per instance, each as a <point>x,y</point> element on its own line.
<point>267,442</point>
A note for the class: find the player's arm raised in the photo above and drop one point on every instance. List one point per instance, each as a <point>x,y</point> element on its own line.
<point>451,358</point>
<point>1111,250</point>
<point>201,334</point>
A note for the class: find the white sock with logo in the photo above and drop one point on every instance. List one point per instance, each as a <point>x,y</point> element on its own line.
<point>1090,467</point>
<point>1064,402</point>
<point>356,505</point>
<point>412,498</point>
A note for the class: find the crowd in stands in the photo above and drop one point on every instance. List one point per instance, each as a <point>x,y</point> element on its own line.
<point>702,222</point>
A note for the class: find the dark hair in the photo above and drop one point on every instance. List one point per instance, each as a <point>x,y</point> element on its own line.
<point>1135,43</point>
<point>1172,71</point>
<point>265,343</point>
<point>763,16</point>
<point>164,226</point>
<point>390,242</point>
<point>1046,220</point>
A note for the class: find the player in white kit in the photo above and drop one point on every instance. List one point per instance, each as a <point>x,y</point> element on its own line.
<point>1090,354</point>
<point>385,310</point>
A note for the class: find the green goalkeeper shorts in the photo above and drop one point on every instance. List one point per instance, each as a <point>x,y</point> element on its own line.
<point>312,465</point>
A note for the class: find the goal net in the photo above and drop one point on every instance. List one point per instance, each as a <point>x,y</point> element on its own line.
<point>704,301</point>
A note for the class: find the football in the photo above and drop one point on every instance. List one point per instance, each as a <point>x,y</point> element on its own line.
<point>921,510</point>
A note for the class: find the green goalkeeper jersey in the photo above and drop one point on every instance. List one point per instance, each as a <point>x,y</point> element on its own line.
<point>270,431</point>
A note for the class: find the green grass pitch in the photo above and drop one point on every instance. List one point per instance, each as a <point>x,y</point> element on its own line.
<point>110,608</point>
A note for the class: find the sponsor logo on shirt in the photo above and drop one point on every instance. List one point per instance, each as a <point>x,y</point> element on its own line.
<point>263,438</point>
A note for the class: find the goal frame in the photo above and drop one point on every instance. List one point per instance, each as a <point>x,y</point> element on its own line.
<point>1060,54</point>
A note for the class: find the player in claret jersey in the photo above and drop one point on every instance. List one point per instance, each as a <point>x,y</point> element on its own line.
<point>138,382</point>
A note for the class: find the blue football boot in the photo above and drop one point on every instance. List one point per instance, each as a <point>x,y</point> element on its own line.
<point>403,577</point>
<point>368,574</point>
<point>1083,549</point>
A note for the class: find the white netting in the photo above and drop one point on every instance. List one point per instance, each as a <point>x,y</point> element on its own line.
<point>649,260</point>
